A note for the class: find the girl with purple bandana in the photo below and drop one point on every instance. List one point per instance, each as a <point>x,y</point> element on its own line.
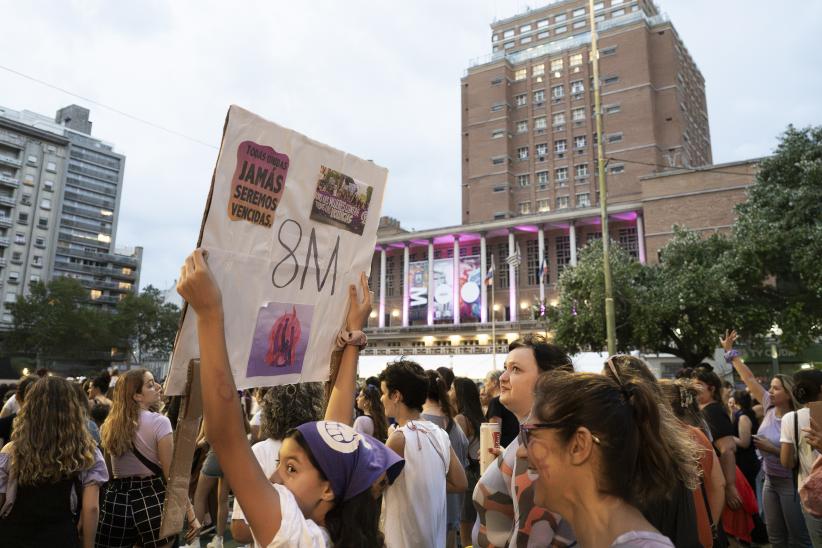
<point>329,479</point>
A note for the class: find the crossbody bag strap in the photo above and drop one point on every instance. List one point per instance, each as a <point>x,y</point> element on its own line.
<point>796,452</point>
<point>714,532</point>
<point>153,466</point>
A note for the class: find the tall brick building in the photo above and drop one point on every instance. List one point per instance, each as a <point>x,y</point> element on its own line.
<point>528,134</point>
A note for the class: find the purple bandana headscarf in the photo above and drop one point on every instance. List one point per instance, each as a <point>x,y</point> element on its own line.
<point>351,461</point>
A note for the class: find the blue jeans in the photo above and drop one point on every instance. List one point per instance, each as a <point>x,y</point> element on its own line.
<point>814,529</point>
<point>783,514</point>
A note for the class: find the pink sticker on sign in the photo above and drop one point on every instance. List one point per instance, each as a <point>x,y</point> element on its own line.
<point>257,184</point>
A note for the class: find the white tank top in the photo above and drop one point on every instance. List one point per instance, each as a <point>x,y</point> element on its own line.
<point>415,514</point>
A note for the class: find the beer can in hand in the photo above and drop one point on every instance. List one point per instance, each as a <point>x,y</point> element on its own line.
<point>489,438</point>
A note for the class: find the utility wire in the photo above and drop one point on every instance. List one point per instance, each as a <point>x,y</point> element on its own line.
<point>676,167</point>
<point>110,108</point>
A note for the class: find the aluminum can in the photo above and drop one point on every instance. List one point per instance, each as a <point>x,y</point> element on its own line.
<point>489,438</point>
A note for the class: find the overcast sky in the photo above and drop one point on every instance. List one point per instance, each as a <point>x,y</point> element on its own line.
<point>377,79</point>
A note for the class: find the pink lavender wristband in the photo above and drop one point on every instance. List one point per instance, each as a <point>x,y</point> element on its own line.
<point>731,354</point>
<point>351,338</point>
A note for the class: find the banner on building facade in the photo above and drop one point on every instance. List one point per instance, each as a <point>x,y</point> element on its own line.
<point>418,284</point>
<point>470,279</point>
<point>443,289</point>
<point>289,224</point>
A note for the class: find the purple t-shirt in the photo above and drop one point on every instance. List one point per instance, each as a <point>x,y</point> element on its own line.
<point>771,428</point>
<point>152,427</point>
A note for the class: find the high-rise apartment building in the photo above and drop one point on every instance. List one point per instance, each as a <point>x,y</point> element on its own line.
<point>528,133</point>
<point>60,194</point>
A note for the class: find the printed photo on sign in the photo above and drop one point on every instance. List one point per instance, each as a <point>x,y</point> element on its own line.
<point>443,289</point>
<point>470,280</point>
<point>257,184</point>
<point>341,201</point>
<point>280,339</point>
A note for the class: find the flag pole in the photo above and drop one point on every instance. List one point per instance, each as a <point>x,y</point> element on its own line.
<point>493,326</point>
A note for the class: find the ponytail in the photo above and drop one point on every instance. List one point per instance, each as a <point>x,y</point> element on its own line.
<point>438,392</point>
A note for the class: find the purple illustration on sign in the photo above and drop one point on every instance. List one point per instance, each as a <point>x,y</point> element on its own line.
<point>280,339</point>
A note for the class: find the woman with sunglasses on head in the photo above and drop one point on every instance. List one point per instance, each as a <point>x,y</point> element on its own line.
<point>600,456</point>
<point>329,479</point>
<point>783,513</point>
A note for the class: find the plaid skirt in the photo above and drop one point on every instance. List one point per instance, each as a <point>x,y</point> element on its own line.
<point>131,512</point>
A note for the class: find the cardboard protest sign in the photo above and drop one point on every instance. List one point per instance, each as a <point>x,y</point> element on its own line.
<point>289,224</point>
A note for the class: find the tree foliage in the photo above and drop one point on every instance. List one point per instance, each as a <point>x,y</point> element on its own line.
<point>779,234</point>
<point>149,323</point>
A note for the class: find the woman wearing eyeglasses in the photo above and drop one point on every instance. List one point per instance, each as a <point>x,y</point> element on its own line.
<point>599,456</point>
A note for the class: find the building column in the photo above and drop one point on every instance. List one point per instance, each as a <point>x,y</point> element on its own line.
<point>431,282</point>
<point>381,318</point>
<point>456,281</point>
<point>483,286</point>
<point>640,237</point>
<point>541,279</point>
<point>512,277</point>
<point>572,237</point>
<point>406,291</point>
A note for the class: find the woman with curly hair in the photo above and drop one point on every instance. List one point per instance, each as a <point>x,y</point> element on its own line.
<point>283,408</point>
<point>139,444</point>
<point>373,421</point>
<point>50,471</point>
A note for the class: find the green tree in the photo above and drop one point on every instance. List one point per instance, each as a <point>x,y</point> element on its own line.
<point>148,324</point>
<point>53,321</point>
<point>779,234</point>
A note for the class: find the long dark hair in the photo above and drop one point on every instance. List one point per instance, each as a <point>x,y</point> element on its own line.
<point>439,393</point>
<point>639,463</point>
<point>354,523</point>
<point>468,403</point>
<point>376,411</point>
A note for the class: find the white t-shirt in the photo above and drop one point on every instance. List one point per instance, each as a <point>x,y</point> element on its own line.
<point>364,425</point>
<point>295,530</point>
<point>642,539</point>
<point>415,511</point>
<point>256,419</point>
<point>807,454</point>
<point>268,455</point>
<point>10,407</point>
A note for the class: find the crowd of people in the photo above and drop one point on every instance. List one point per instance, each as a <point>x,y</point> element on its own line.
<point>619,458</point>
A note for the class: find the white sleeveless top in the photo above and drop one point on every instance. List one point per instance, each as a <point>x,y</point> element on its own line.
<point>415,513</point>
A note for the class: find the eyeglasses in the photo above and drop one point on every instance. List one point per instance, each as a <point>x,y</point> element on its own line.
<point>526,429</point>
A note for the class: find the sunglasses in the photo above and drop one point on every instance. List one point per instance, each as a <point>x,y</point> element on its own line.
<point>526,429</point>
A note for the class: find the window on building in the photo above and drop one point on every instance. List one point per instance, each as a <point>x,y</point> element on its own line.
<point>522,153</point>
<point>34,278</point>
<point>598,6</point>
<point>541,151</point>
<point>610,50</point>
<point>560,146</point>
<point>526,40</point>
<point>578,12</point>
<point>389,276</point>
<point>580,24</point>
<point>521,100</point>
<point>584,199</point>
<point>539,96</point>
<point>581,171</point>
<point>629,242</point>
<point>577,87</point>
<point>45,203</point>
<point>496,81</point>
<point>556,65</point>
<point>16,257</point>
<point>540,123</point>
<point>522,126</point>
<point>14,276</point>
<point>611,80</point>
<point>532,261</point>
<point>23,217</point>
<point>520,74</point>
<point>497,133</point>
<point>43,222</point>
<point>563,252</point>
<point>523,180</point>
<point>558,92</point>
<point>500,268</point>
<point>543,205</point>
<point>11,297</point>
<point>542,179</point>
<point>575,60</point>
<point>525,28</point>
<point>617,13</point>
<point>580,141</point>
<point>28,179</point>
<point>560,30</point>
<point>525,208</point>
<point>543,35</point>
<point>52,167</point>
<point>578,114</point>
<point>542,24</point>
<point>37,260</point>
<point>509,45</point>
<point>615,137</point>
<point>495,38</point>
<point>19,238</point>
<point>25,199</point>
<point>558,120</point>
<point>560,18</point>
<point>498,160</point>
<point>39,241</point>
<point>617,168</point>
<point>508,33</point>
<point>561,175</point>
<point>497,107</point>
<point>48,185</point>
<point>592,236</point>
<point>32,159</point>
<point>500,188</point>
<point>612,109</point>
<point>538,70</point>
